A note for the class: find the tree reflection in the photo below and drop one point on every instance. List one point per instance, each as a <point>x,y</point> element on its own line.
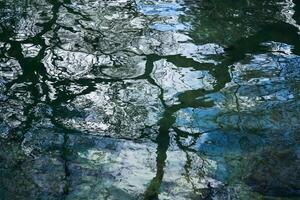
<point>202,84</point>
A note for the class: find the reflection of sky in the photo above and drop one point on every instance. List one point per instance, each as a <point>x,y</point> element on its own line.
<point>197,120</point>
<point>170,13</point>
<point>129,165</point>
<point>169,27</point>
<point>175,80</point>
<point>288,12</point>
<point>159,8</point>
<point>112,107</point>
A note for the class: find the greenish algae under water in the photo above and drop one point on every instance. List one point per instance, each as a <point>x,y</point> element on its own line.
<point>145,99</point>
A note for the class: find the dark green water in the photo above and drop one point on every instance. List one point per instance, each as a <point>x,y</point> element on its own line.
<point>145,99</point>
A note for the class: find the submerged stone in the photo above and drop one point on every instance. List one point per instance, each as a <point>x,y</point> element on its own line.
<point>274,172</point>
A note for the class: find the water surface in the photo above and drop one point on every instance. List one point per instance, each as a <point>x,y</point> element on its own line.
<point>145,99</point>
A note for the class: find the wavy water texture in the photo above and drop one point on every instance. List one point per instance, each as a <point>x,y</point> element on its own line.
<point>149,99</point>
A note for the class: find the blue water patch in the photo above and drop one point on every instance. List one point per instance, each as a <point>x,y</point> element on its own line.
<point>161,9</point>
<point>170,27</point>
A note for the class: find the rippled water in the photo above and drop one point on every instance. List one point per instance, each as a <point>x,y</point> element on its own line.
<point>149,99</point>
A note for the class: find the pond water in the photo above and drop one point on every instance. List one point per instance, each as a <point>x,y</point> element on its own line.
<point>149,99</point>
